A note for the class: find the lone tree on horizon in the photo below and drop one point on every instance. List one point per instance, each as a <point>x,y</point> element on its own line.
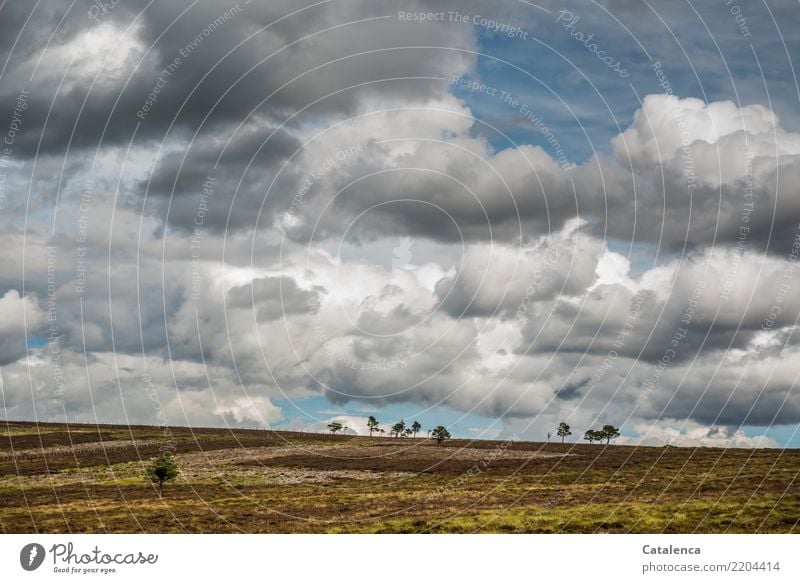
<point>563,431</point>
<point>398,428</point>
<point>372,424</point>
<point>335,426</point>
<point>162,469</point>
<point>609,432</point>
<point>416,427</point>
<point>440,433</point>
<point>591,435</point>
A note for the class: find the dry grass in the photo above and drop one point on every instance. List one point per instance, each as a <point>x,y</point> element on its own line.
<point>90,479</point>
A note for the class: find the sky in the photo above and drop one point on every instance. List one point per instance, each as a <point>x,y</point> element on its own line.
<point>489,216</point>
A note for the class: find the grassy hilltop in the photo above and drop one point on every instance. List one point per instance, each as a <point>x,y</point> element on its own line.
<point>57,478</point>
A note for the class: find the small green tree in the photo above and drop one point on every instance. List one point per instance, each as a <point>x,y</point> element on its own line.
<point>335,426</point>
<point>161,470</point>
<point>590,435</point>
<point>609,432</point>
<point>372,425</point>
<point>398,428</point>
<point>440,433</point>
<point>415,427</point>
<point>563,431</point>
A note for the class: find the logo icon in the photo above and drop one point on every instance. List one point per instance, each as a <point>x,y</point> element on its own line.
<point>402,253</point>
<point>31,556</point>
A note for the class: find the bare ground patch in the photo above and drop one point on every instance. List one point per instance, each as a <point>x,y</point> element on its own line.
<point>414,459</point>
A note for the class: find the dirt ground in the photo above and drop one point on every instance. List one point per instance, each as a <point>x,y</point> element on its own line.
<point>82,478</point>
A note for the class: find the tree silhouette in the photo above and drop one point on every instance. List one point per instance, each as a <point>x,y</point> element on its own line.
<point>372,425</point>
<point>162,469</point>
<point>563,431</point>
<point>415,427</point>
<point>610,432</point>
<point>440,433</point>
<point>334,426</point>
<point>398,428</point>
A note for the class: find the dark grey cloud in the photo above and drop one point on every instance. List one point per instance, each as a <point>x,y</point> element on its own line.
<point>237,172</point>
<point>572,391</point>
<point>725,187</point>
<point>215,87</point>
<point>507,282</point>
<point>656,206</point>
<point>726,397</point>
<point>709,304</point>
<point>274,297</point>
<point>233,59</point>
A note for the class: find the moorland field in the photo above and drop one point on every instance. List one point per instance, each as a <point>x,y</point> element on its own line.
<point>58,478</point>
